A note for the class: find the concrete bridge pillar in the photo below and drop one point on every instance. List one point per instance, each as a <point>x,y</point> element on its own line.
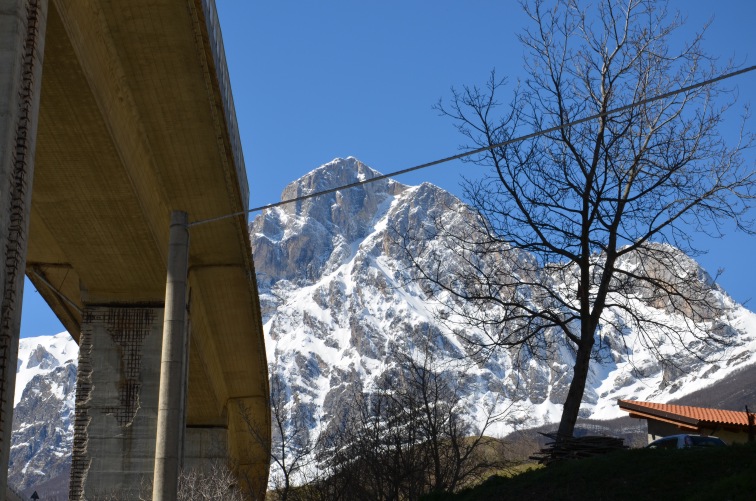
<point>22,40</point>
<point>116,402</point>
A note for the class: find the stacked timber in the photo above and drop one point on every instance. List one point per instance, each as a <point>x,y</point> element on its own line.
<point>560,448</point>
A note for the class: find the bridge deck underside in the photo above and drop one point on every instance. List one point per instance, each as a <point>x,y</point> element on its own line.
<point>131,127</point>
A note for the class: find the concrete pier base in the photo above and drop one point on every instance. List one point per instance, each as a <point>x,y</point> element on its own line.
<point>116,402</point>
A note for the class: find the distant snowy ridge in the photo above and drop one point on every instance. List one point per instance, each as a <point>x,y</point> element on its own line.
<point>39,355</point>
<point>44,408</point>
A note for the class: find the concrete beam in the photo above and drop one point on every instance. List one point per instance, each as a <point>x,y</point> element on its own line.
<point>22,41</point>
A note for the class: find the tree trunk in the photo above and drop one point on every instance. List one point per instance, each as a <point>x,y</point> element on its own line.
<point>577,387</point>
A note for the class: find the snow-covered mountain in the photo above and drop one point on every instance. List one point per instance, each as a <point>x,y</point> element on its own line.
<point>338,308</point>
<point>43,409</point>
<point>339,311</point>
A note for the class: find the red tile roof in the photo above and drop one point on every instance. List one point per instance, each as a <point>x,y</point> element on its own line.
<point>695,416</point>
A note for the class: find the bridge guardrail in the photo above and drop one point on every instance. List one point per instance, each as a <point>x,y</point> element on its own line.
<point>224,82</point>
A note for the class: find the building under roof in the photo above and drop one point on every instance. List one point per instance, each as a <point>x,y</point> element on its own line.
<point>671,419</point>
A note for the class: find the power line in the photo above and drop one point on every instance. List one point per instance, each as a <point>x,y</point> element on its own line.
<point>542,132</point>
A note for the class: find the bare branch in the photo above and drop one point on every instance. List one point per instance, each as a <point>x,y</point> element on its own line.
<point>589,224</point>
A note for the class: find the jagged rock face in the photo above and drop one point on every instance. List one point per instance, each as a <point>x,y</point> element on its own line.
<point>43,414</point>
<point>41,358</point>
<point>303,241</point>
<point>339,305</point>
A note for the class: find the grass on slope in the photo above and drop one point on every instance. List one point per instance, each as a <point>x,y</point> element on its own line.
<point>694,474</point>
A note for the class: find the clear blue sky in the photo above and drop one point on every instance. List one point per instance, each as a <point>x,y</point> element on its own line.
<point>315,80</point>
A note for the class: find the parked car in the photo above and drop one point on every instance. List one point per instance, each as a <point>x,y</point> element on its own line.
<point>685,441</point>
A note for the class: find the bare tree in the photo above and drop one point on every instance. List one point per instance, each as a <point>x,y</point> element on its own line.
<point>450,441</point>
<point>374,453</point>
<point>587,219</point>
<point>213,482</point>
<point>294,442</point>
<point>217,481</point>
<point>409,436</point>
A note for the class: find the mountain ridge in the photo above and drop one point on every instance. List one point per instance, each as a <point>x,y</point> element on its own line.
<point>44,409</point>
<point>303,311</point>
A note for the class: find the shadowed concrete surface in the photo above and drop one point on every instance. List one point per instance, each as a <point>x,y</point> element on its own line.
<point>136,120</point>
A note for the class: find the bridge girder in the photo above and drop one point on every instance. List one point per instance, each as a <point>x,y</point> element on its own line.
<point>135,121</point>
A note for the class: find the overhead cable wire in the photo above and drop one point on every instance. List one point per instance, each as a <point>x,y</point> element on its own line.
<point>532,135</point>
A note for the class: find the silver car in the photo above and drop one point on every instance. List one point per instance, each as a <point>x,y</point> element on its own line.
<point>685,441</point>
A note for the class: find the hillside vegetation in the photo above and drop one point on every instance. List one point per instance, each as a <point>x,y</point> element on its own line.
<point>696,474</point>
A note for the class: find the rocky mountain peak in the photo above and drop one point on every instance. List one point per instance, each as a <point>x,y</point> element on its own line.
<point>336,207</point>
<point>305,239</point>
<point>41,358</point>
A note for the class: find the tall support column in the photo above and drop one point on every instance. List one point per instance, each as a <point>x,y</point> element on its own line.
<point>22,37</point>
<point>171,404</point>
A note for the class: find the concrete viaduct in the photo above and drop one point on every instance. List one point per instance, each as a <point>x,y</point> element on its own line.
<point>114,116</point>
